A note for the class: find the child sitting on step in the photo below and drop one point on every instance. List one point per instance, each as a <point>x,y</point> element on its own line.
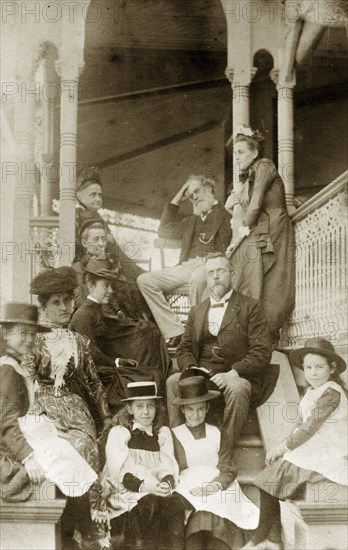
<point>218,509</point>
<point>316,449</point>
<point>142,472</point>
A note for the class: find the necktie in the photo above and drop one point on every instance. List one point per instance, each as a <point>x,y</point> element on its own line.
<point>219,304</point>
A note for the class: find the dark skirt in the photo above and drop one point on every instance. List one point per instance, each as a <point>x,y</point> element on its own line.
<point>139,340</point>
<point>155,523</point>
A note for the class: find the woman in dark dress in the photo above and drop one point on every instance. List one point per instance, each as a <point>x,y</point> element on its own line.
<point>263,250</point>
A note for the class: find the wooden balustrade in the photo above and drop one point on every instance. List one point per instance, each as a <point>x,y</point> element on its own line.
<point>321,268</point>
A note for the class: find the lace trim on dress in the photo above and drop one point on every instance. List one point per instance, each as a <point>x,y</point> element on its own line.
<point>61,345</point>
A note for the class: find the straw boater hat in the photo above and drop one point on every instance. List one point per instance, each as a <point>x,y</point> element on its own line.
<point>52,281</point>
<point>194,390</point>
<point>100,268</point>
<point>24,314</point>
<point>141,390</point>
<point>319,346</point>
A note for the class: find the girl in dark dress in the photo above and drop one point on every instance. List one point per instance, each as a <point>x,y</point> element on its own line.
<point>140,475</point>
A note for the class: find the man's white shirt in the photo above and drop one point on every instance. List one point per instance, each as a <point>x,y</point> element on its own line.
<point>216,314</point>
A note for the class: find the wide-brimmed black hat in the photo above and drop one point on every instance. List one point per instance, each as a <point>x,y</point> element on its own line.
<point>194,390</point>
<point>100,268</point>
<point>142,390</point>
<point>319,346</point>
<point>51,281</point>
<point>24,314</point>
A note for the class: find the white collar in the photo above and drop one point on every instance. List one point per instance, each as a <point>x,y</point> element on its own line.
<point>224,299</point>
<point>89,297</point>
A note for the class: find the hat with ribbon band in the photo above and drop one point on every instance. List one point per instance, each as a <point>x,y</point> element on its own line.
<point>141,390</point>
<point>194,390</point>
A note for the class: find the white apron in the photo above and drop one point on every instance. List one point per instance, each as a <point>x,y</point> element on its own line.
<point>326,452</point>
<point>146,465</point>
<point>202,460</point>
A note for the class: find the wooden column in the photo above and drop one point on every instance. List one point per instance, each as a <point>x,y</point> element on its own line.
<point>47,142</point>
<point>286,135</point>
<point>25,179</point>
<point>240,116</point>
<point>69,72</point>
<point>239,72</point>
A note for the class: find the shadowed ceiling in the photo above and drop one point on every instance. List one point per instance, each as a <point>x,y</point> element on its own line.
<point>154,103</point>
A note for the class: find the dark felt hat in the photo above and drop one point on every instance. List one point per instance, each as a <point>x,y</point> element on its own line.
<point>141,390</point>
<point>194,390</point>
<point>319,346</point>
<point>50,281</point>
<point>100,268</point>
<point>24,314</point>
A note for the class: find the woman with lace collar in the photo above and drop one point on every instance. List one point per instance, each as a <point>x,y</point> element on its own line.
<point>68,388</point>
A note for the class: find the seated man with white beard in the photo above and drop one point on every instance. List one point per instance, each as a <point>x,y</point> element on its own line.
<point>207,230</point>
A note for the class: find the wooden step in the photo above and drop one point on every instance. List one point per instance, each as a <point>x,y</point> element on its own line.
<point>33,524</point>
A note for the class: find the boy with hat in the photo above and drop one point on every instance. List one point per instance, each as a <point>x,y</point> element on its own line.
<point>207,474</point>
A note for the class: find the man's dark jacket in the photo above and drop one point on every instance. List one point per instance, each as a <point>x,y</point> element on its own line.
<point>244,339</point>
<point>175,226</point>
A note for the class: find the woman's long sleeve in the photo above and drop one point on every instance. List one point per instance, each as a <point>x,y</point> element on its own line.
<point>264,173</point>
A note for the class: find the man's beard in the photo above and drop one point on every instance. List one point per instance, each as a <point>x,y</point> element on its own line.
<point>202,207</point>
<point>219,290</point>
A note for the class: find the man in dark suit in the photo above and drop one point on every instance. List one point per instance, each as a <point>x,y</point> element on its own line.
<point>207,230</point>
<point>227,335</point>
